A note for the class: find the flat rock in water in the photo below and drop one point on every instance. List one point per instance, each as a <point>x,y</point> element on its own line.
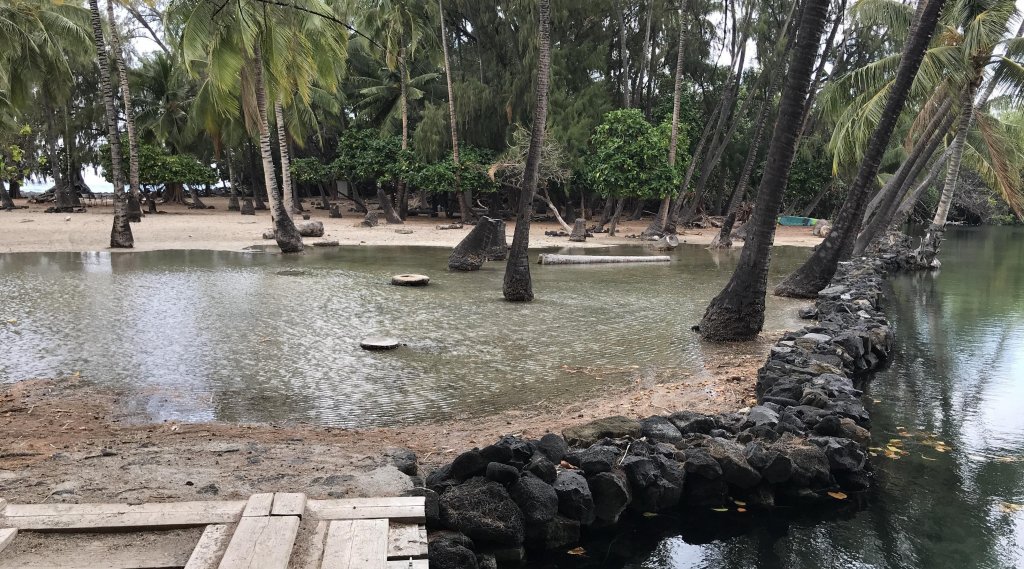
<point>410,280</point>
<point>379,343</point>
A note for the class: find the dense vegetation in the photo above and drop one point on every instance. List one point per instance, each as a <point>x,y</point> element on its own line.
<point>870,112</point>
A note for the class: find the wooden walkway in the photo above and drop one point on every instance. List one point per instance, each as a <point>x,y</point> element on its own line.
<point>268,531</point>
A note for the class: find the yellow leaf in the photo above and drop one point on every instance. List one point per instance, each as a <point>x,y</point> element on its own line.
<point>741,510</point>
<point>739,503</point>
<point>838,495</point>
<point>927,458</point>
<point>876,449</point>
<point>1008,508</point>
<point>650,515</point>
<point>577,551</point>
<point>720,509</point>
<point>12,321</point>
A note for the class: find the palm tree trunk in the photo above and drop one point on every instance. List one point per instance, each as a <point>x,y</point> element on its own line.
<point>646,55</point>
<point>897,187</point>
<point>819,269</point>
<point>5,198</point>
<point>929,247</point>
<point>287,191</point>
<point>677,202</point>
<point>465,202</point>
<point>401,186</point>
<point>518,285</point>
<point>907,203</point>
<point>724,238</point>
<point>623,53</point>
<point>737,313</point>
<point>233,185</point>
<point>285,232</point>
<point>121,231</point>
<point>657,226</point>
<point>135,194</point>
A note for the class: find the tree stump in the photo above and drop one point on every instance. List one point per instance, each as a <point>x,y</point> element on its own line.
<point>233,203</point>
<point>410,280</point>
<point>151,205</point>
<point>479,245</point>
<point>247,207</point>
<point>370,219</point>
<point>379,343</point>
<point>134,209</point>
<point>579,231</point>
<point>334,212</point>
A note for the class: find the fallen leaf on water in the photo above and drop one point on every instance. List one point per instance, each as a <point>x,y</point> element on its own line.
<point>876,449</point>
<point>650,515</point>
<point>741,510</point>
<point>577,551</point>
<point>928,458</point>
<point>877,400</point>
<point>1008,508</point>
<point>1007,459</point>
<point>12,321</point>
<point>838,495</point>
<point>873,453</point>
<point>720,509</point>
<point>739,502</point>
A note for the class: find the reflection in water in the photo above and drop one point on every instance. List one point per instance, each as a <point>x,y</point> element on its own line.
<point>203,335</point>
<point>956,384</point>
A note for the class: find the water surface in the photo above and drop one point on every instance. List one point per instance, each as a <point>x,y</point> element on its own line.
<point>252,336</point>
<point>957,378</point>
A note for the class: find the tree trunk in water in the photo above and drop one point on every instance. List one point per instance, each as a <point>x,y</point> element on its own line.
<point>285,232</point>
<point>929,248</point>
<point>724,238</point>
<point>657,226</point>
<point>287,192</point>
<point>737,313</point>
<point>900,183</point>
<point>121,231</point>
<point>819,269</point>
<point>385,204</point>
<point>5,198</point>
<point>135,194</point>
<point>517,285</point>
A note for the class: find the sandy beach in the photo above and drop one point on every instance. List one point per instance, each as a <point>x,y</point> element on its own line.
<point>32,230</point>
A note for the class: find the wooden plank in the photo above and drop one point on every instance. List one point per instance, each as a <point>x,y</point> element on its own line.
<point>407,540</point>
<point>409,564</point>
<point>258,505</point>
<point>408,509</point>
<point>210,548</point>
<point>76,517</point>
<point>288,504</point>
<point>3,504</point>
<point>131,550</point>
<point>356,544</point>
<point>310,551</point>
<point>7,535</point>
<point>261,543</point>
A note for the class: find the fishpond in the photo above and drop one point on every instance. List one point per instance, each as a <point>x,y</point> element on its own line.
<point>258,336</point>
<point>948,432</point>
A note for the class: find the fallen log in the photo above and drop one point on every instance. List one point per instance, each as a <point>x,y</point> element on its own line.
<point>556,259</point>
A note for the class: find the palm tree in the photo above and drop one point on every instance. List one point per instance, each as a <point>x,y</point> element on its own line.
<point>465,207</point>
<point>819,269</point>
<point>134,196</point>
<point>737,313</point>
<point>121,232</point>
<point>518,286</point>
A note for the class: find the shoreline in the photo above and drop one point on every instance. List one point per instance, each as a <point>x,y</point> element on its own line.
<point>33,231</point>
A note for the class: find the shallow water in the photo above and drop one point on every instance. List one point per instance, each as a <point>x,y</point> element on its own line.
<point>252,336</point>
<point>957,378</point>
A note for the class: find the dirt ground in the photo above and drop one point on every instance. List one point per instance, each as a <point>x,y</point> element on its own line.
<point>25,230</point>
<point>65,440</point>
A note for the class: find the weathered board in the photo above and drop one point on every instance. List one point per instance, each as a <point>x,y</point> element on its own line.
<point>7,535</point>
<point>78,517</point>
<point>410,564</point>
<point>407,540</point>
<point>210,548</point>
<point>258,505</point>
<point>288,504</point>
<point>403,509</point>
<point>261,543</point>
<point>356,544</point>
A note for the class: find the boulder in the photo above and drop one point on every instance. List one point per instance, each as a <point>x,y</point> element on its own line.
<point>403,459</point>
<point>431,499</point>
<point>553,447</point>
<point>810,465</point>
<point>483,510</point>
<point>574,498</point>
<point>612,427</point>
<point>689,422</point>
<point>449,552</point>
<point>538,500</point>
<point>521,450</point>
<point>542,468</point>
<point>660,429</point>
<point>311,229</point>
<point>502,473</point>
<point>559,533</point>
<point>468,464</point>
<point>610,491</point>
<point>598,458</point>
<point>843,455</point>
<point>761,416</point>
<point>735,469</point>
<point>700,462</point>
